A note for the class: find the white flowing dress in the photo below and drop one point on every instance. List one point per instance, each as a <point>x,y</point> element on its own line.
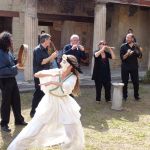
<point>57,118</point>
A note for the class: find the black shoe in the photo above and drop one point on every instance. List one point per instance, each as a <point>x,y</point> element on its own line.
<point>108,100</point>
<point>32,114</point>
<point>137,98</point>
<point>5,128</point>
<point>22,123</point>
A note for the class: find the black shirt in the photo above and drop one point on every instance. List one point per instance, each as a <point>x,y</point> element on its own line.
<point>76,52</point>
<point>101,69</point>
<point>131,61</point>
<point>39,54</point>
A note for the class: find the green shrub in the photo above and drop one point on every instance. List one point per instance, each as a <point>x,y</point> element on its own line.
<point>146,78</point>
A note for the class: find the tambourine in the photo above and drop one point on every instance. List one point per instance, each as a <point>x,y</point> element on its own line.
<point>22,55</point>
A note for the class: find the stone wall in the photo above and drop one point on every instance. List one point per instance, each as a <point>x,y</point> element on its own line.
<point>149,42</point>
<point>121,20</point>
<point>66,28</point>
<point>69,7</point>
<point>18,32</point>
<point>84,30</point>
<point>17,22</point>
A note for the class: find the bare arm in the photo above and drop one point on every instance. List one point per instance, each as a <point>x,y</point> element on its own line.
<point>19,67</point>
<point>128,53</point>
<point>112,53</point>
<point>81,47</point>
<point>53,46</point>
<point>99,52</point>
<point>126,56</point>
<point>52,82</point>
<point>49,59</point>
<point>40,75</point>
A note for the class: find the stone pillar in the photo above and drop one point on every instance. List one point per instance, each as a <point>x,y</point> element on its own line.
<point>68,28</point>
<point>99,24</point>
<point>117,96</point>
<point>30,35</point>
<point>148,63</point>
<point>149,60</point>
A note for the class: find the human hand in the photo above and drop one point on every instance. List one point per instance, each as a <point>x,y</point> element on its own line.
<point>81,47</point>
<point>19,67</point>
<point>54,55</point>
<point>104,48</point>
<point>130,52</point>
<point>75,46</point>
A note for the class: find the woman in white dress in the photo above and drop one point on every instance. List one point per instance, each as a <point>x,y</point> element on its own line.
<point>57,118</point>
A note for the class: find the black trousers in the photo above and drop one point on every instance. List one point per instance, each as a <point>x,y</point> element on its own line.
<point>107,87</point>
<point>10,98</point>
<point>125,72</point>
<point>37,96</point>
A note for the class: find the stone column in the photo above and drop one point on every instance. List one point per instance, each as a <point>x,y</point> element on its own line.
<point>99,24</point>
<point>30,36</point>
<point>149,47</point>
<point>68,28</point>
<point>149,60</point>
<point>117,96</point>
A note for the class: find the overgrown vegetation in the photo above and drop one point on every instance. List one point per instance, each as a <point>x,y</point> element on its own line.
<point>146,78</point>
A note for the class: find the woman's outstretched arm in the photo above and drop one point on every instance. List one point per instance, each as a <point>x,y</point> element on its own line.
<point>52,82</point>
<point>41,75</point>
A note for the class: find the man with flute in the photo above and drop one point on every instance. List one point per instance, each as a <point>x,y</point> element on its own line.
<point>74,48</point>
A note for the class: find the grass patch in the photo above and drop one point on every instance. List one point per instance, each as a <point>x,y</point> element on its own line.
<point>105,129</point>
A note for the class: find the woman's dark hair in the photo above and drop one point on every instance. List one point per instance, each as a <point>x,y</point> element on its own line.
<point>5,41</point>
<point>75,65</point>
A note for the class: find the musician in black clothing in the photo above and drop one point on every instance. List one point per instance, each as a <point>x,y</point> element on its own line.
<point>75,48</point>
<point>129,54</point>
<point>101,72</point>
<point>41,61</point>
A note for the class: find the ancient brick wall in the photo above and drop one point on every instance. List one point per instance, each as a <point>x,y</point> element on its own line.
<point>17,22</point>
<point>70,7</point>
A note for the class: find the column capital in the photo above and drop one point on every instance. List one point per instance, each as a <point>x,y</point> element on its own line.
<point>101,1</point>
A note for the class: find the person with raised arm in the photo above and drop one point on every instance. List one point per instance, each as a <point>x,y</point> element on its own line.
<point>57,117</point>
<point>101,71</point>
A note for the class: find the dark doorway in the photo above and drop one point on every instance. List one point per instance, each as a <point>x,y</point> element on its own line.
<point>6,24</point>
<point>55,33</point>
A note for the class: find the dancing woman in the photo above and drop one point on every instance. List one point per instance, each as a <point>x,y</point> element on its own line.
<point>57,118</point>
